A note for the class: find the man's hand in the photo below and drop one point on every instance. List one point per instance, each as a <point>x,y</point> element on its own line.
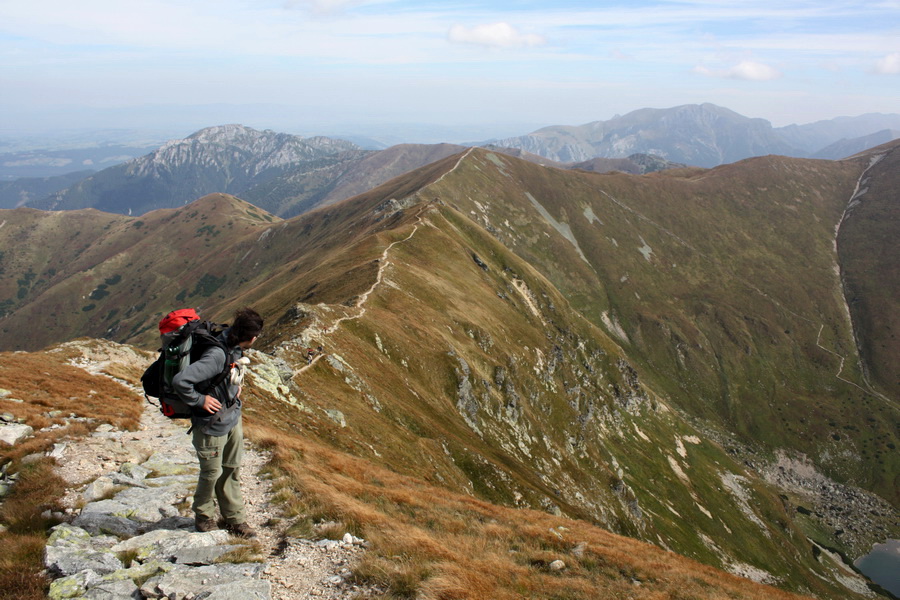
<point>211,405</point>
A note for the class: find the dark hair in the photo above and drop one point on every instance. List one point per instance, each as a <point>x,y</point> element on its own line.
<point>246,326</point>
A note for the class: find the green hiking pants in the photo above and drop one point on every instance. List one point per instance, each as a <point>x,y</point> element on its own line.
<point>220,475</point>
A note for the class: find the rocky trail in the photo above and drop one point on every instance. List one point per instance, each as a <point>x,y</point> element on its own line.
<point>129,531</point>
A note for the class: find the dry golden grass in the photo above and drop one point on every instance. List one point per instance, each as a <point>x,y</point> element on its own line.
<point>434,544</point>
<point>37,489</point>
<point>44,382</point>
<point>16,582</point>
<point>249,551</point>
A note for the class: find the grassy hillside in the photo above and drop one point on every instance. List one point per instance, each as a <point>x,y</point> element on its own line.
<point>870,264</point>
<point>630,352</point>
<point>103,275</point>
<point>449,376</point>
<point>426,541</point>
<point>726,290</point>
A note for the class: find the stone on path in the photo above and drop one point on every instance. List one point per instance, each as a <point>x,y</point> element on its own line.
<point>243,580</point>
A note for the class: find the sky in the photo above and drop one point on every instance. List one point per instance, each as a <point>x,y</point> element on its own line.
<point>501,68</point>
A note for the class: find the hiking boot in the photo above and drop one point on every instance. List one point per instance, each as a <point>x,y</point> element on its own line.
<point>241,530</point>
<point>204,524</point>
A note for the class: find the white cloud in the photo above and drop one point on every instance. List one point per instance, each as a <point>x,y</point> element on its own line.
<point>322,6</point>
<point>494,35</point>
<point>747,70</point>
<point>889,65</point>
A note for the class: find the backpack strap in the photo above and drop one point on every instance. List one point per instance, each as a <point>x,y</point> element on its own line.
<point>205,336</point>
<point>217,380</point>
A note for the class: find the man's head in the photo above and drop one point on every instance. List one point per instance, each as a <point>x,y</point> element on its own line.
<point>246,328</point>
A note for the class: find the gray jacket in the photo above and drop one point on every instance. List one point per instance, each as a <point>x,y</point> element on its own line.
<point>200,371</point>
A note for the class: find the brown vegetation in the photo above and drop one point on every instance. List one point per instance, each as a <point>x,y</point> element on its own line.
<point>37,490</point>
<point>431,543</point>
<point>45,383</point>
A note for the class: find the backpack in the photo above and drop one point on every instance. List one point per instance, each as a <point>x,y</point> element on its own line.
<point>184,340</point>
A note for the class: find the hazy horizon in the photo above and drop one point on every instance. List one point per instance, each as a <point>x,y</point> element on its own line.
<point>154,125</point>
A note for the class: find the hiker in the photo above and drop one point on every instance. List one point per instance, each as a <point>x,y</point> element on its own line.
<point>217,427</point>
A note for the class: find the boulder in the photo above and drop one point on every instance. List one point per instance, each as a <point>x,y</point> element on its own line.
<point>165,544</point>
<point>172,523</point>
<point>133,471</point>
<point>99,523</point>
<point>182,580</point>
<point>97,489</point>
<point>68,535</point>
<point>146,505</point>
<point>113,590</point>
<point>69,560</point>
<point>205,555</point>
<point>13,434</point>
<point>254,589</point>
<point>72,586</point>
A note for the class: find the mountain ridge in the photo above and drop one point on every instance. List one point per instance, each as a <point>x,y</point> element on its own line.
<point>288,175</point>
<point>703,135</point>
<point>523,543</point>
<point>596,345</point>
<point>217,159</point>
<point>281,173</point>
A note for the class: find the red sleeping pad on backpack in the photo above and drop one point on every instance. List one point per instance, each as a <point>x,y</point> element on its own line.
<point>175,319</point>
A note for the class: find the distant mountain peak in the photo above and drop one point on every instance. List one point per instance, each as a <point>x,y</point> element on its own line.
<point>236,134</point>
<point>704,135</point>
<point>245,148</point>
<point>282,173</point>
<point>225,158</point>
<point>229,130</point>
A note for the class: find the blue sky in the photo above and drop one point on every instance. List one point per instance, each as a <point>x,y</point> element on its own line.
<point>303,65</point>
